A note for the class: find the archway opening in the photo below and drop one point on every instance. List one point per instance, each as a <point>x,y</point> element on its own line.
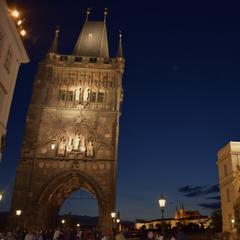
<point>80,208</point>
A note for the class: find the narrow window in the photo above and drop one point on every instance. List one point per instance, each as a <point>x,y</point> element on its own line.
<point>100,97</point>
<point>70,96</point>
<point>63,95</point>
<point>93,97</point>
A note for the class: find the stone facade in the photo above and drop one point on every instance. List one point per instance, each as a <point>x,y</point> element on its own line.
<point>229,183</point>
<point>71,137</point>
<point>12,54</point>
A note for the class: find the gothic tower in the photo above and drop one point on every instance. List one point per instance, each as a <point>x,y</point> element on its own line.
<point>72,129</point>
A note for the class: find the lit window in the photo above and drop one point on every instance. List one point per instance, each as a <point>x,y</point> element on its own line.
<point>90,36</point>
<point>8,60</point>
<point>100,97</point>
<point>52,146</point>
<point>93,96</point>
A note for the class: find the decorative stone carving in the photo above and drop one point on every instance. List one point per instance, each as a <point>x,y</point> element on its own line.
<point>90,150</point>
<point>86,94</point>
<point>78,94</point>
<point>62,147</point>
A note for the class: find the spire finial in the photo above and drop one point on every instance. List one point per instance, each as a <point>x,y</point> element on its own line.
<point>88,13</point>
<point>54,46</point>
<point>105,14</point>
<point>120,49</point>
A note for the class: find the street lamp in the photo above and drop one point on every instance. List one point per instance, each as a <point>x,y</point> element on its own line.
<point>162,203</point>
<point>18,212</point>
<point>78,225</point>
<point>1,196</point>
<point>63,221</point>
<point>113,215</point>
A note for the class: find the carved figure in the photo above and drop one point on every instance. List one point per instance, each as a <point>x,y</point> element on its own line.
<point>69,146</point>
<point>62,147</point>
<point>78,94</point>
<point>90,150</point>
<point>76,142</point>
<point>82,143</point>
<point>86,94</point>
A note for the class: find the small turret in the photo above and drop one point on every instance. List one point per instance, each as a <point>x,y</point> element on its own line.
<point>54,46</point>
<point>120,49</point>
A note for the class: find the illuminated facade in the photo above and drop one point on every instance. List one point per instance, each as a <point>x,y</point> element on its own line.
<point>229,183</point>
<point>72,129</point>
<point>12,54</point>
<point>181,217</point>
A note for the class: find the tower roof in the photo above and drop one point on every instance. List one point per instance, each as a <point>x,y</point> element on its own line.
<point>54,46</point>
<point>92,41</point>
<point>120,49</point>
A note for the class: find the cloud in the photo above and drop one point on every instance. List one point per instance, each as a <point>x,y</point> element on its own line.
<point>196,191</point>
<point>212,206</point>
<point>213,198</point>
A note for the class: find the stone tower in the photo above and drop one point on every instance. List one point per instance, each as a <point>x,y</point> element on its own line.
<point>72,129</point>
<point>229,183</point>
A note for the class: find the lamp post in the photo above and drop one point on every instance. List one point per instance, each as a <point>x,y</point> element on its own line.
<point>113,216</point>
<point>118,224</point>
<point>162,203</point>
<point>18,214</point>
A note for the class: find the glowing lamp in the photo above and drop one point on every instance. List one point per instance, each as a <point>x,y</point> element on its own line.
<point>162,202</point>
<point>15,13</point>
<point>19,22</point>
<point>78,225</point>
<point>113,214</point>
<point>23,32</point>
<point>233,221</point>
<point>1,196</point>
<point>52,146</point>
<point>18,212</point>
<point>118,220</point>
<point>63,221</point>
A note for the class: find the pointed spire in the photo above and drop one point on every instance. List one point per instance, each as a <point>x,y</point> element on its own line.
<point>79,41</point>
<point>120,49</point>
<point>105,14</point>
<point>54,46</point>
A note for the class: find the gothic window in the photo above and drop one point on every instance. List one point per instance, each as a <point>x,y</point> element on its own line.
<point>63,95</point>
<point>8,59</point>
<point>63,58</point>
<point>93,97</point>
<point>100,97</point>
<point>70,96</point>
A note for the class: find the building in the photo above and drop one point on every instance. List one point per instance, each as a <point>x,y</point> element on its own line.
<point>72,130</point>
<point>12,54</point>
<point>229,183</point>
<point>182,217</point>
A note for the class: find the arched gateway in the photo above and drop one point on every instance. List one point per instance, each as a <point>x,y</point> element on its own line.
<point>71,135</point>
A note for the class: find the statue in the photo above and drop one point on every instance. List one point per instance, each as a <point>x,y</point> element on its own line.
<point>90,149</point>
<point>62,147</point>
<point>77,94</point>
<point>82,143</point>
<point>69,146</point>
<point>86,94</point>
<point>76,142</point>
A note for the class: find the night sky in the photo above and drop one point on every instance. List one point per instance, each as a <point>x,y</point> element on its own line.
<point>181,96</point>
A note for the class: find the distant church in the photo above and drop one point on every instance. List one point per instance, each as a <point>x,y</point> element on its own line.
<point>72,130</point>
